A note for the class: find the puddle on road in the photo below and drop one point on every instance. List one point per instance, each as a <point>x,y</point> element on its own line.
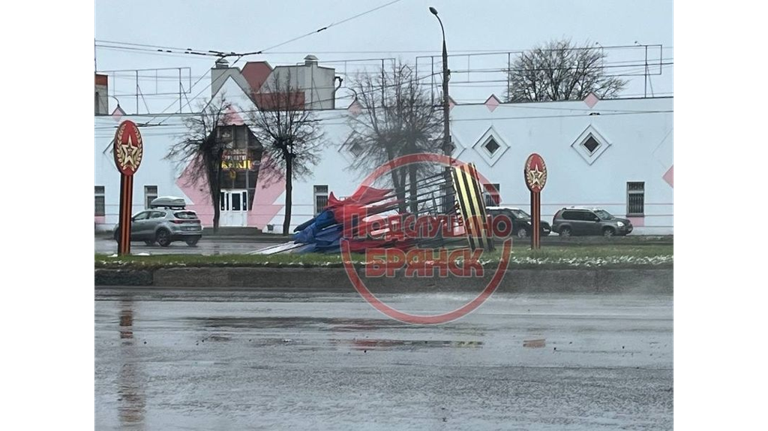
<point>391,344</point>
<point>535,344</point>
<point>333,324</point>
<point>214,338</point>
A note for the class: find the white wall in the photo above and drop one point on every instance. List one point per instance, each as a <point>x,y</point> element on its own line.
<point>317,83</point>
<point>640,150</point>
<point>639,132</point>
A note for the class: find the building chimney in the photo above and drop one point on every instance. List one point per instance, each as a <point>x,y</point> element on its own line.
<point>310,60</point>
<point>222,63</point>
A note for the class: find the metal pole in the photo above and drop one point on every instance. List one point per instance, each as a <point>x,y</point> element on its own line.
<point>509,70</point>
<point>432,87</point>
<point>137,92</point>
<point>446,110</point>
<point>645,92</point>
<point>383,80</point>
<point>446,105</point>
<point>181,87</point>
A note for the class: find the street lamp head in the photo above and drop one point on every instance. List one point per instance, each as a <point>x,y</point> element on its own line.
<point>433,10</point>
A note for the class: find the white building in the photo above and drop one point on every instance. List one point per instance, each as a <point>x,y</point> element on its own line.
<point>599,153</point>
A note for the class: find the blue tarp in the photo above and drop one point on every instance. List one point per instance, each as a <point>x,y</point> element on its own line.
<point>323,232</point>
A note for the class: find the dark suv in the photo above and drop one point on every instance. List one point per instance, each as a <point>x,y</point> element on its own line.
<point>521,221</point>
<point>583,221</point>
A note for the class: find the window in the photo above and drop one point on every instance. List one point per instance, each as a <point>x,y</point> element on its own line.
<point>591,144</point>
<point>157,214</point>
<point>321,198</point>
<point>635,198</point>
<point>519,215</point>
<point>572,215</point>
<point>356,149</point>
<point>241,137</point>
<point>224,134</point>
<point>99,192</point>
<point>150,194</point>
<point>491,146</point>
<point>141,216</point>
<point>603,215</point>
<point>235,201</point>
<point>186,215</point>
<point>588,216</point>
<point>97,111</point>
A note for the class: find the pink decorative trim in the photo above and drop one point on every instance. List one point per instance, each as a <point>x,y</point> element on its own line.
<point>669,176</point>
<point>492,103</point>
<point>637,221</point>
<point>591,100</point>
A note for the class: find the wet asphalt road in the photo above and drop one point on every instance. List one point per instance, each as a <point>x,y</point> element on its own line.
<point>206,246</point>
<point>225,360</point>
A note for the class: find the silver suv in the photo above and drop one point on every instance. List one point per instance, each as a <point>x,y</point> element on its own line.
<point>589,221</point>
<point>165,223</point>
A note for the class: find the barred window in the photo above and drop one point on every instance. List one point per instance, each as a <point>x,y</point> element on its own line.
<point>635,198</point>
<point>150,194</point>
<point>99,193</point>
<point>321,198</point>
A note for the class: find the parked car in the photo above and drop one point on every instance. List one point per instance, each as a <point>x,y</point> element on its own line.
<point>589,221</point>
<point>521,221</point>
<point>167,221</point>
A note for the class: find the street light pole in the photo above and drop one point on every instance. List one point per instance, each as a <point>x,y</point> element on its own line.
<point>449,201</point>
<point>446,107</point>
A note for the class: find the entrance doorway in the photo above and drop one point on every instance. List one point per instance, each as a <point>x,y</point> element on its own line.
<point>234,208</point>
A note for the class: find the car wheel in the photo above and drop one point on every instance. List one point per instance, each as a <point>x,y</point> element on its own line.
<point>522,233</point>
<point>163,238</point>
<point>608,232</point>
<point>149,243</point>
<point>192,241</point>
<point>565,232</point>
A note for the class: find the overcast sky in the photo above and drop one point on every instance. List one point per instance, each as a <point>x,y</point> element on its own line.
<point>407,25</point>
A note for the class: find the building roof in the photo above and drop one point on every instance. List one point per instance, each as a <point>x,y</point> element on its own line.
<point>256,73</point>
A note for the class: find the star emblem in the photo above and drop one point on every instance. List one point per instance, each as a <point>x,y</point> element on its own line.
<point>130,156</point>
<point>536,177</point>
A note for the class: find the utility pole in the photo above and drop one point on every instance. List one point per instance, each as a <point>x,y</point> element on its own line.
<point>447,145</point>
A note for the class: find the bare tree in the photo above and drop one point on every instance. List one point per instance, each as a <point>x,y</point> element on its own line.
<point>559,70</point>
<point>397,118</point>
<point>290,134</point>
<point>202,149</point>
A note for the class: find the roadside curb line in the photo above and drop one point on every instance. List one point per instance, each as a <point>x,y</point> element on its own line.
<point>579,280</point>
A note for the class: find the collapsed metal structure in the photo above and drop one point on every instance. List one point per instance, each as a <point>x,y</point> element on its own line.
<point>447,210</point>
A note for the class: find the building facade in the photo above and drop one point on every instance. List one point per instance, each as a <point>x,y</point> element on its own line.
<point>614,154</point>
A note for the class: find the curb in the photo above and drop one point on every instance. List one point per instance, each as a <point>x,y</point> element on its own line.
<point>588,280</point>
<point>112,277</point>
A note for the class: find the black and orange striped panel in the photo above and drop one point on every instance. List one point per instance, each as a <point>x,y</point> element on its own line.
<point>472,206</point>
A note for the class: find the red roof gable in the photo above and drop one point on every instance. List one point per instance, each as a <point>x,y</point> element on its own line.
<point>256,73</point>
